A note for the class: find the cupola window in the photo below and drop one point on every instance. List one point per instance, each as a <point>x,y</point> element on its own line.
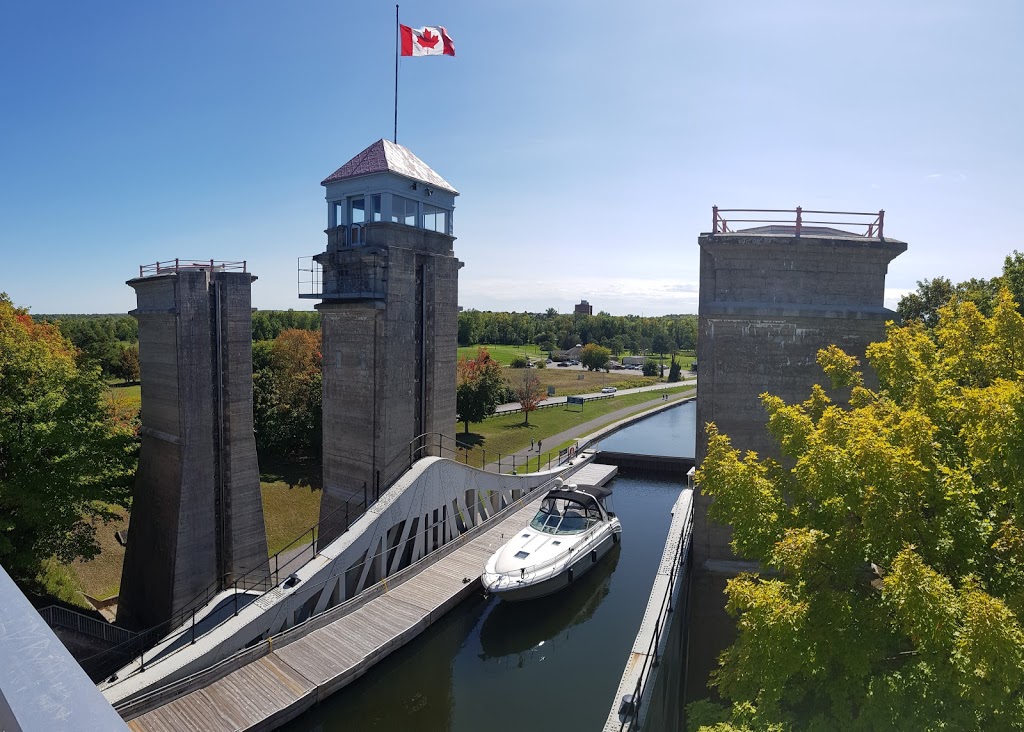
<point>435,219</point>
<point>403,211</point>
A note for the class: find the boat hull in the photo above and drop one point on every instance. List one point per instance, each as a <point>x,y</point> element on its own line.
<point>573,571</point>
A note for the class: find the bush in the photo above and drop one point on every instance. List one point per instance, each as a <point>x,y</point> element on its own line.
<point>651,368</point>
<point>541,365</point>
<point>519,363</point>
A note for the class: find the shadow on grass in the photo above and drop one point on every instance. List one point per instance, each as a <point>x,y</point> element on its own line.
<point>300,472</point>
<point>469,440</point>
<point>518,426</point>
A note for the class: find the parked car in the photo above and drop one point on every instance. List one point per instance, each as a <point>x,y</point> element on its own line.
<point>563,364</point>
<point>608,390</point>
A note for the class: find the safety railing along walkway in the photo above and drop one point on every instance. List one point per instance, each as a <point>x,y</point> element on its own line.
<point>277,679</point>
<point>68,619</point>
<point>668,600</point>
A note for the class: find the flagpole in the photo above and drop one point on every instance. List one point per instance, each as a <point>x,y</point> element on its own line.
<point>397,33</point>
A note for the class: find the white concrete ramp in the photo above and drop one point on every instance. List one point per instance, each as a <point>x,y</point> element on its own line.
<point>285,675</point>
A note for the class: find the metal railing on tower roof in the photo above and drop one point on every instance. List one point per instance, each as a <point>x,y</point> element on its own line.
<point>172,266</point>
<point>795,223</point>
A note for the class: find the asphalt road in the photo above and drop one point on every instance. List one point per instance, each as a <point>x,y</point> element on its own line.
<point>513,406</point>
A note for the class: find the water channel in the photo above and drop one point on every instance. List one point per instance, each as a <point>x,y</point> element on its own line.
<point>552,663</point>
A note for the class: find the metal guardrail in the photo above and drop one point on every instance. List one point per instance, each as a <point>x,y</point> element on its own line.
<point>173,266</point>
<point>62,617</point>
<point>267,575</point>
<point>141,704</point>
<point>631,706</point>
<point>262,578</point>
<point>874,226</point>
<point>352,278</point>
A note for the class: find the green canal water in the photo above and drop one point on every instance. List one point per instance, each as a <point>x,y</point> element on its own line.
<point>548,664</point>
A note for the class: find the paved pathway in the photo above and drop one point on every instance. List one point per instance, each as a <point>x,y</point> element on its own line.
<point>581,430</point>
<point>513,406</point>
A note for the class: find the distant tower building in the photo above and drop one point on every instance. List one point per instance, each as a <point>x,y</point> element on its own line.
<point>584,308</point>
<point>197,512</point>
<point>770,298</point>
<point>389,313</point>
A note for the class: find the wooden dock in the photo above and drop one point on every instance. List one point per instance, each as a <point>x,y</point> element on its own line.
<point>285,680</point>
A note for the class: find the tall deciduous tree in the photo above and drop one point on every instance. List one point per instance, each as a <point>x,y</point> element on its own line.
<point>478,387</point>
<point>896,533</point>
<point>287,393</point>
<point>129,370</point>
<point>64,461</point>
<point>529,394</point>
<point>594,357</point>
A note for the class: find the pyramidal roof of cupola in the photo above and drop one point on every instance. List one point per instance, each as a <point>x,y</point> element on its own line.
<point>385,156</point>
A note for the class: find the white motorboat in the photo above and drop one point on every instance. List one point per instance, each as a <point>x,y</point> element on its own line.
<point>572,530</point>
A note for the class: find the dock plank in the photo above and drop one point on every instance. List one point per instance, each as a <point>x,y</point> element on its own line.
<point>280,685</point>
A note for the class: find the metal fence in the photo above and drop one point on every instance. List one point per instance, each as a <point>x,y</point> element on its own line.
<point>873,222</point>
<point>62,617</point>
<point>172,266</point>
<point>631,709</point>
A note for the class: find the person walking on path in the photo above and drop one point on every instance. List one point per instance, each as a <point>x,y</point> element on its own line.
<point>531,444</point>
<point>538,445</point>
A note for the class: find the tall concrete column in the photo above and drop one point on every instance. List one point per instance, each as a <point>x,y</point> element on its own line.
<point>197,512</point>
<point>768,303</point>
<point>389,316</point>
<point>389,369</point>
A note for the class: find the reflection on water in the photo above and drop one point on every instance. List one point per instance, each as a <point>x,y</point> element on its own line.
<point>551,663</point>
<point>517,627</point>
<point>672,433</point>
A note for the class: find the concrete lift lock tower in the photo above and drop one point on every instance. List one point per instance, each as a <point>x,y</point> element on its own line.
<point>388,285</point>
<point>771,296</point>
<point>197,512</point>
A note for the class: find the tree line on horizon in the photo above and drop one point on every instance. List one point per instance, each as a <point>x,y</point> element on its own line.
<point>105,338</point>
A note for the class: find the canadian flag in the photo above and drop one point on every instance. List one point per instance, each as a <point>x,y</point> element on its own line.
<point>431,40</point>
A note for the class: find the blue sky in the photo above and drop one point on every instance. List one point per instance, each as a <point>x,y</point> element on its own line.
<point>589,139</point>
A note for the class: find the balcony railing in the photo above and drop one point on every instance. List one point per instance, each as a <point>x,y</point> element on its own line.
<point>360,278</point>
<point>176,265</point>
<point>872,222</point>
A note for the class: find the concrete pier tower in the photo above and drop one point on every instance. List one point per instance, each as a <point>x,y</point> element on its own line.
<point>770,298</point>
<point>388,282</point>
<point>197,512</point>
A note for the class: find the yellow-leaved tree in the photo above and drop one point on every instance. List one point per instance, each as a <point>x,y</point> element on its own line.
<point>893,531</point>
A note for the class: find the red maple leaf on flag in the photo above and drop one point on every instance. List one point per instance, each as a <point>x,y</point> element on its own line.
<point>428,40</point>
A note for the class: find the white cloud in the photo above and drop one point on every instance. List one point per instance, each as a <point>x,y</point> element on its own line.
<point>893,295</point>
<point>619,296</point>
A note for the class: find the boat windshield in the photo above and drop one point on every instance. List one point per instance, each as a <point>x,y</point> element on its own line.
<point>559,516</point>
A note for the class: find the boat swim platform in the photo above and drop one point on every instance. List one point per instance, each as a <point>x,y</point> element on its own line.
<point>285,675</point>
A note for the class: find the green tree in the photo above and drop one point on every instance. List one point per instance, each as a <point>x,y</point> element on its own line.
<point>288,393</point>
<point>924,303</point>
<point>896,536</point>
<point>529,393</point>
<point>1013,277</point>
<point>651,367</point>
<point>594,357</point>
<point>64,460</point>
<point>129,369</point>
<point>479,387</point>
<point>673,372</point>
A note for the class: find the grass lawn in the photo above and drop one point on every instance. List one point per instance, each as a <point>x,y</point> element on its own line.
<point>503,354</point>
<point>291,499</point>
<point>507,434</point>
<point>570,381</point>
<point>291,504</point>
<point>99,578</point>
<point>123,395</point>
